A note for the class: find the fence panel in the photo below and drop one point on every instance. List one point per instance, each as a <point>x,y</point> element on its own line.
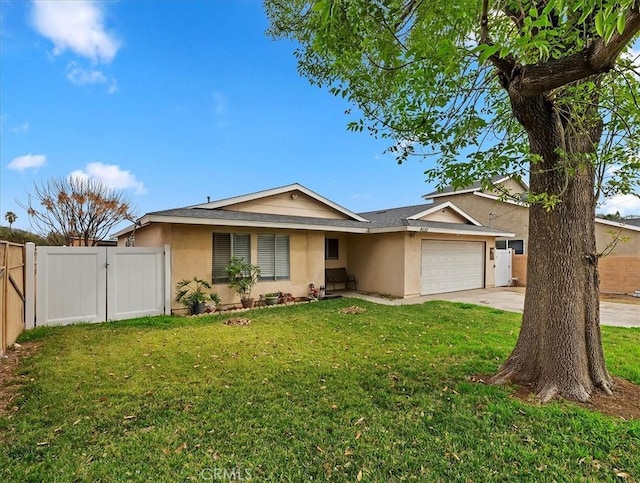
<point>71,285</point>
<point>96,284</point>
<point>135,282</point>
<point>12,293</point>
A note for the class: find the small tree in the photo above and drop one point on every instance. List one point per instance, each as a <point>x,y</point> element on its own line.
<point>242,277</point>
<point>11,218</point>
<point>76,209</point>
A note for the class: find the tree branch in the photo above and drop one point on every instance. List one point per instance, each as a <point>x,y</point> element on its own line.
<point>597,58</point>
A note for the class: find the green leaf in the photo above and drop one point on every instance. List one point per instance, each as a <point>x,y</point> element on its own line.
<point>600,23</point>
<point>622,20</point>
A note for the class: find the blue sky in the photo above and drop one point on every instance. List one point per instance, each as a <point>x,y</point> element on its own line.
<point>174,101</point>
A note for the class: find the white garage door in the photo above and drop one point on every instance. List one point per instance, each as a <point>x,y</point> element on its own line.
<point>448,266</point>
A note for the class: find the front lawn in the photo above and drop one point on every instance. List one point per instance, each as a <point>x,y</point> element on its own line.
<point>304,392</point>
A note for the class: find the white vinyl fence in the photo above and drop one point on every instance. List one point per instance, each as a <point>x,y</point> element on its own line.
<point>96,284</point>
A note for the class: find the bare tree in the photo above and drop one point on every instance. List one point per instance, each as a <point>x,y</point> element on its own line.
<point>11,218</point>
<point>76,211</point>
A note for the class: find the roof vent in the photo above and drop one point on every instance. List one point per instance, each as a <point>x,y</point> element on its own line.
<point>381,212</point>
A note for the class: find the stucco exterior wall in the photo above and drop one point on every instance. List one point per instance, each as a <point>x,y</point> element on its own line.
<point>154,235</point>
<point>515,219</point>
<point>627,246</point>
<point>378,263</point>
<point>343,251</point>
<point>512,186</point>
<point>284,204</point>
<point>192,256</point>
<point>390,263</point>
<point>508,217</point>
<point>619,274</point>
<point>519,269</point>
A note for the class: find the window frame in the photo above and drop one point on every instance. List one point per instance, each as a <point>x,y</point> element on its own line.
<point>328,249</point>
<point>239,245</point>
<point>507,244</point>
<point>274,249</point>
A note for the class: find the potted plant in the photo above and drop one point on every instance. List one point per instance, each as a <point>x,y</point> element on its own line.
<point>192,294</point>
<point>242,278</point>
<point>272,298</point>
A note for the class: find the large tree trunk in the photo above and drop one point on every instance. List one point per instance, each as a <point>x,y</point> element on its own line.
<point>559,349</point>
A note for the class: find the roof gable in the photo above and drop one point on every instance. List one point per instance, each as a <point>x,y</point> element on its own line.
<point>290,200</point>
<point>444,212</point>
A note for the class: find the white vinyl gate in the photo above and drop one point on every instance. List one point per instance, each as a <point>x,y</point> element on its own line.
<point>96,284</point>
<point>502,261</point>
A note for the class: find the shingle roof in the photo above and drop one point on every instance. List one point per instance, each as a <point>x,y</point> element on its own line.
<point>221,214</point>
<point>398,217</point>
<point>380,219</point>
<point>631,221</point>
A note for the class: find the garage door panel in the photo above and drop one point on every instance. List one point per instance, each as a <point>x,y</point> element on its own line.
<point>449,266</point>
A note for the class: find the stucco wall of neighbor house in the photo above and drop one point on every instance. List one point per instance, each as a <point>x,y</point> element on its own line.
<point>619,274</point>
<point>510,185</point>
<point>519,269</point>
<point>154,235</point>
<point>508,217</point>
<point>377,261</point>
<point>343,251</point>
<point>628,246</point>
<point>291,203</point>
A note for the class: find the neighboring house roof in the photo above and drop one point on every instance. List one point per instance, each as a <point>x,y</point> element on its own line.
<point>473,188</point>
<point>396,219</point>
<point>632,224</point>
<point>476,189</point>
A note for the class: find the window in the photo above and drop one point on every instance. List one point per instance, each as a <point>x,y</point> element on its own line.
<point>226,245</point>
<point>331,248</point>
<point>273,257</point>
<point>517,245</point>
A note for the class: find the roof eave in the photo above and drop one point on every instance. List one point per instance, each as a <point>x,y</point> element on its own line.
<point>181,220</point>
<point>447,231</point>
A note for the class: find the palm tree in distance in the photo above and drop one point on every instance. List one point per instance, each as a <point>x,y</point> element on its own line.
<point>11,217</point>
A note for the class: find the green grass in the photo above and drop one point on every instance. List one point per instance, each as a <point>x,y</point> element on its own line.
<point>304,393</point>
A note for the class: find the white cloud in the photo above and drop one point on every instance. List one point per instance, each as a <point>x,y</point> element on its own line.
<point>220,102</point>
<point>75,25</point>
<point>110,175</point>
<point>28,161</point>
<point>113,87</point>
<point>24,127</point>
<point>623,204</point>
<point>81,77</point>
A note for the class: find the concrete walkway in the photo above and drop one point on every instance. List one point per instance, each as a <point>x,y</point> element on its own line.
<point>512,299</point>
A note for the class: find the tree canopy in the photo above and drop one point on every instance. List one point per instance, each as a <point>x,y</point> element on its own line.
<point>436,76</point>
<point>76,211</point>
<point>546,88</point>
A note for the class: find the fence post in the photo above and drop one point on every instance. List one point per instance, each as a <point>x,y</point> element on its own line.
<point>167,279</point>
<point>30,286</point>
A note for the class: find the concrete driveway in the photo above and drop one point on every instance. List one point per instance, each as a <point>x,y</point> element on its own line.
<point>512,299</point>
